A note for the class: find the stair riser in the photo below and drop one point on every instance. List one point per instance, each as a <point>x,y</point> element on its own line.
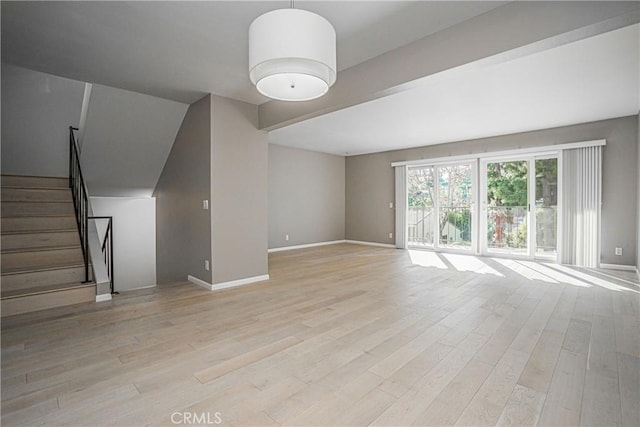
<point>30,303</point>
<point>39,240</point>
<point>11,282</point>
<point>38,223</point>
<point>38,259</point>
<point>34,181</point>
<point>35,195</point>
<point>36,209</point>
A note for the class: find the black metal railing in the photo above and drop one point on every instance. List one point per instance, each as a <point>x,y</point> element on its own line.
<point>81,207</point>
<point>107,248</point>
<point>80,198</point>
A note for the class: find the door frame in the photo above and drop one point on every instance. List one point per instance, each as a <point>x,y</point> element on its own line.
<point>530,158</point>
<point>473,248</point>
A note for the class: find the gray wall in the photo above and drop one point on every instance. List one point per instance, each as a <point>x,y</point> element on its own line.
<point>239,178</point>
<point>183,228</point>
<point>126,141</point>
<point>638,205</point>
<point>370,180</point>
<point>306,196</point>
<point>37,110</point>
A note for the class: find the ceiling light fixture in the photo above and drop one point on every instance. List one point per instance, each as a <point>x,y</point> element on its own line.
<point>292,55</point>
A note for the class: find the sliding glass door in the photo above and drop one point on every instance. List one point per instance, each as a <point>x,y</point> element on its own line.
<point>455,201</point>
<point>506,206</point>
<point>421,217</point>
<point>517,214</point>
<point>440,206</point>
<point>519,206</point>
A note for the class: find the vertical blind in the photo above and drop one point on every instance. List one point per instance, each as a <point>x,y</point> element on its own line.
<point>581,182</point>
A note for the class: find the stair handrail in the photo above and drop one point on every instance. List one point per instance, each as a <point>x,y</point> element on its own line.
<point>107,249</point>
<point>91,243</point>
<point>80,198</point>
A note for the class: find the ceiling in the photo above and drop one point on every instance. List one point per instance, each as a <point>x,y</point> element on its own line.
<point>592,79</point>
<point>182,50</point>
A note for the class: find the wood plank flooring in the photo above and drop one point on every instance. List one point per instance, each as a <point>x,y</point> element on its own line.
<point>340,335</point>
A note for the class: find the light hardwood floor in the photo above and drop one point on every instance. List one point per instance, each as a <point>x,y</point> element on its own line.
<point>341,335</point>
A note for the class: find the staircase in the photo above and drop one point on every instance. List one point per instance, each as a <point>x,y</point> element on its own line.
<point>42,265</point>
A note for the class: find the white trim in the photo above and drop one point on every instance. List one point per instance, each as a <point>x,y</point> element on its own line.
<point>619,267</point>
<point>382,245</point>
<point>103,297</point>
<point>547,149</point>
<point>225,285</point>
<point>240,282</point>
<point>308,245</point>
<point>200,282</point>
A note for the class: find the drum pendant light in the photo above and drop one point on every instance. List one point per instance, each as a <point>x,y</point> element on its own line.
<point>292,55</point>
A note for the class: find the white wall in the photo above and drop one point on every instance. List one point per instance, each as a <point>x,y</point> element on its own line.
<point>134,239</point>
<point>37,110</point>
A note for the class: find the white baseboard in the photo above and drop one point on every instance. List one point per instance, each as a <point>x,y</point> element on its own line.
<point>240,282</point>
<point>382,245</point>
<point>619,267</point>
<point>200,282</point>
<point>103,297</point>
<point>225,285</point>
<point>308,245</point>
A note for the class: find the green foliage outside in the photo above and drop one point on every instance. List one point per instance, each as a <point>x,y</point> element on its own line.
<point>507,188</point>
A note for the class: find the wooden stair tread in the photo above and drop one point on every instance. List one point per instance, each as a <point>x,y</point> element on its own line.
<point>30,181</point>
<point>43,289</point>
<point>38,201</point>
<point>35,231</point>
<point>22,187</point>
<point>44,267</point>
<point>40,215</point>
<point>40,249</point>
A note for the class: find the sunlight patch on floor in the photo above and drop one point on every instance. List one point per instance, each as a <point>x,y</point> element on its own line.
<point>524,270</point>
<point>592,280</point>
<point>427,259</point>
<point>470,263</point>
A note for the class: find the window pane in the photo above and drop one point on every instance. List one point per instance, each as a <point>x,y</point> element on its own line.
<point>420,215</point>
<point>455,196</point>
<point>546,206</point>
<point>507,205</point>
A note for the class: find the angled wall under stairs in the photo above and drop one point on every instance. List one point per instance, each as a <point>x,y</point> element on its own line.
<point>41,258</point>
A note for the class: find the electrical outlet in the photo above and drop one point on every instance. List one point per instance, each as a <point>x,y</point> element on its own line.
<point>286,237</point>
<point>206,265</point>
<point>618,251</point>
<point>390,205</point>
<point>391,235</point>
<point>205,205</point>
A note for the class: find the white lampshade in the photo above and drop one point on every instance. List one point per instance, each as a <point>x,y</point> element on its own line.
<point>292,55</point>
